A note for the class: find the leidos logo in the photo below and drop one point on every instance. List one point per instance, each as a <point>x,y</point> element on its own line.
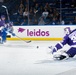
<point>34,32</point>
<point>38,32</point>
<point>21,30</point>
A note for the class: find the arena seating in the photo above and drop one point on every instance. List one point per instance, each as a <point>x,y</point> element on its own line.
<point>68,11</point>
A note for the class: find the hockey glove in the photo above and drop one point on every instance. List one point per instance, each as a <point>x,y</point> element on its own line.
<point>13,34</point>
<point>53,49</point>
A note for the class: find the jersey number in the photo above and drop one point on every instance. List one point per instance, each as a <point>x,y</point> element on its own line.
<point>73,37</point>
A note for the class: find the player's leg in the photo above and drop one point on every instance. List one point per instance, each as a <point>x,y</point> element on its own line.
<point>0,37</point>
<point>65,55</point>
<point>4,36</point>
<point>60,55</point>
<point>71,52</point>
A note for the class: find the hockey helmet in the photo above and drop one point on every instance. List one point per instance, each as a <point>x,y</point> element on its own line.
<point>2,16</point>
<point>67,30</point>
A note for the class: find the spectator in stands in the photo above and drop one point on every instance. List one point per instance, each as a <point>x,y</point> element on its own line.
<point>36,14</point>
<point>45,13</point>
<point>41,21</point>
<point>31,13</point>
<point>50,11</point>
<point>25,14</point>
<point>30,22</point>
<point>21,7</point>
<point>41,9</point>
<point>62,22</point>
<point>35,11</point>
<point>35,22</point>
<point>47,6</point>
<point>70,23</point>
<point>20,15</point>
<point>36,6</point>
<point>20,12</point>
<point>24,22</point>
<point>53,22</point>
<point>50,15</point>
<point>55,13</point>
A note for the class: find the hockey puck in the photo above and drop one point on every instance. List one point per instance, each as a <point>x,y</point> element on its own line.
<point>37,46</point>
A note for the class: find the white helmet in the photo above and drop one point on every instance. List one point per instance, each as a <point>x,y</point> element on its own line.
<point>67,30</point>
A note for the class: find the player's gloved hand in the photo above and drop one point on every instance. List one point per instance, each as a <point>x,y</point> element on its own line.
<point>13,34</point>
<point>10,32</point>
<point>53,49</point>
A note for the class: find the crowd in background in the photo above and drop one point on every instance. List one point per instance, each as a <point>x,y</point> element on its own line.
<point>43,12</point>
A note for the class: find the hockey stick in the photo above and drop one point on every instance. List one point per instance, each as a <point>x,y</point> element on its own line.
<point>6,12</point>
<point>23,40</point>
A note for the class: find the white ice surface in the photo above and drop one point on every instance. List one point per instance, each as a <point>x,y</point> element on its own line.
<point>21,58</point>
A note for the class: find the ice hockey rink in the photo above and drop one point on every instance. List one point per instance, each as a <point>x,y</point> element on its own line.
<point>21,58</point>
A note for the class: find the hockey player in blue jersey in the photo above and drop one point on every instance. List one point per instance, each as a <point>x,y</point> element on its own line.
<point>8,28</point>
<point>70,39</point>
<point>2,23</point>
<point>4,29</point>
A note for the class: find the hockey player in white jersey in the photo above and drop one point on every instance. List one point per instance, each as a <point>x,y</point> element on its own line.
<point>70,39</point>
